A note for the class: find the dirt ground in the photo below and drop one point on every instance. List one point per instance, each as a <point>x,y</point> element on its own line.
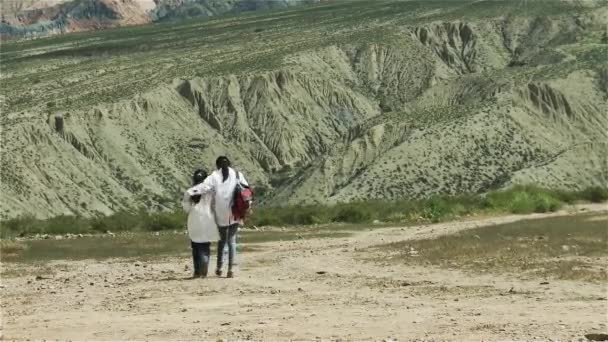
<point>301,290</point>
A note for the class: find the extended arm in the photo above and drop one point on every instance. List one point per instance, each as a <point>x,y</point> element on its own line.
<point>208,185</point>
<point>198,190</point>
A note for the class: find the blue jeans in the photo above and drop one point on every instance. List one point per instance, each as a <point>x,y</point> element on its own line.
<point>227,236</point>
<point>200,257</point>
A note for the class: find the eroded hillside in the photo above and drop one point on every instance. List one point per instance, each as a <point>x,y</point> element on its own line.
<point>39,18</point>
<point>334,102</point>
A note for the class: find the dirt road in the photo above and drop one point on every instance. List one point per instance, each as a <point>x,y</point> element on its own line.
<point>302,290</point>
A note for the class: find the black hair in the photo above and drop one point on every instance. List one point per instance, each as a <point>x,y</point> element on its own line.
<point>223,163</point>
<point>199,176</point>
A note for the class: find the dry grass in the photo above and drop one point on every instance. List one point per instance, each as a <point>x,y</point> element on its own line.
<point>11,248</point>
<point>38,270</point>
<point>570,247</point>
<point>146,246</point>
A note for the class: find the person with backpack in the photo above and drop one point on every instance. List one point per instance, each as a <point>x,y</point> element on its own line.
<point>202,228</point>
<point>232,197</point>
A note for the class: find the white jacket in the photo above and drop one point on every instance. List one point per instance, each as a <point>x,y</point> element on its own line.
<point>223,194</point>
<point>201,221</point>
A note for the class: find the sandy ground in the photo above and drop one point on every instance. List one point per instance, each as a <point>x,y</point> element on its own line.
<point>280,295</point>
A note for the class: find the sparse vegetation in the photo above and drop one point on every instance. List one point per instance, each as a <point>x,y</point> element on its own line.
<point>11,248</point>
<point>143,245</point>
<point>518,200</point>
<point>569,247</point>
<point>525,202</point>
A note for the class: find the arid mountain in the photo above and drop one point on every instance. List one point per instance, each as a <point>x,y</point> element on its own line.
<point>36,18</point>
<point>48,18</point>
<point>334,102</point>
<point>12,7</point>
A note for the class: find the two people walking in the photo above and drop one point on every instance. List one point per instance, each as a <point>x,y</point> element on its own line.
<point>210,216</point>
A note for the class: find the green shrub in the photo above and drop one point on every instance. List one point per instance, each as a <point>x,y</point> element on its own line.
<point>265,220</point>
<point>436,208</point>
<point>23,225</point>
<point>526,199</point>
<point>544,202</point>
<point>301,215</point>
<point>166,221</point>
<point>120,221</point>
<point>566,196</point>
<point>29,225</point>
<point>518,199</point>
<point>66,224</point>
<point>264,217</point>
<point>521,203</point>
<point>499,200</point>
<point>352,213</point>
<point>595,194</point>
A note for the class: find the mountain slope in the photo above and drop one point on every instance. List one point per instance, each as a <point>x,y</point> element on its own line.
<point>335,102</point>
<point>42,18</point>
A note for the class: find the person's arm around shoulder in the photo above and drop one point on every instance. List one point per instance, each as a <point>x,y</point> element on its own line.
<point>207,186</point>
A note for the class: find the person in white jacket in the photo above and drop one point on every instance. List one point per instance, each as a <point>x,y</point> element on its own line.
<point>222,183</point>
<point>202,228</point>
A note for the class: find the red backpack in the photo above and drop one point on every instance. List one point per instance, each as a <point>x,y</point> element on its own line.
<point>243,197</point>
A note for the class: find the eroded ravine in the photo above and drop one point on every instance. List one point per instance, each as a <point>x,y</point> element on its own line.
<point>441,107</point>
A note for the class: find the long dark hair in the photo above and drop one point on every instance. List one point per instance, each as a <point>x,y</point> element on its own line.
<point>223,163</point>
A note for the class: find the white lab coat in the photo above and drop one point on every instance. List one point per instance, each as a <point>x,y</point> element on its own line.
<point>201,221</point>
<point>223,194</point>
